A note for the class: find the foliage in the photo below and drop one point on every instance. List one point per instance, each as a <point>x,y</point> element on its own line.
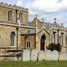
<point>53,46</point>
<point>18,55</point>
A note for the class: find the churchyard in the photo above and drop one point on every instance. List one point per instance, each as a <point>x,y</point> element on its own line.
<point>33,64</point>
<point>36,59</point>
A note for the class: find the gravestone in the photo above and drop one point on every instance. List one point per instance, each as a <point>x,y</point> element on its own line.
<point>26,55</point>
<point>51,55</point>
<point>34,55</point>
<point>55,55</point>
<point>63,54</point>
<point>41,56</point>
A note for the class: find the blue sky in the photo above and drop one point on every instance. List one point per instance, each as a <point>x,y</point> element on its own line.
<point>47,9</point>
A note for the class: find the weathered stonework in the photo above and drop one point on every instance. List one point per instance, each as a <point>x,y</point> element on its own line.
<point>32,35</point>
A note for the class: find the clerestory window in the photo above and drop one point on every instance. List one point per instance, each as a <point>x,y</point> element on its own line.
<point>9,15</point>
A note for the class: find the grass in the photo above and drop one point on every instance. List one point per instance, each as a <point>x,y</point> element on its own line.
<point>33,64</point>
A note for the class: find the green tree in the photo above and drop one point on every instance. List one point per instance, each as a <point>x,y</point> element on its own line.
<point>53,46</point>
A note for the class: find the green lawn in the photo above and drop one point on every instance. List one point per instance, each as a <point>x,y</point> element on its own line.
<point>34,64</point>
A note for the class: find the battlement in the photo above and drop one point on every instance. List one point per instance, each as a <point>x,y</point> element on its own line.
<point>13,6</point>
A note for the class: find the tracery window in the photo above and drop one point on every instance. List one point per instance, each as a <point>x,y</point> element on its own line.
<point>9,15</point>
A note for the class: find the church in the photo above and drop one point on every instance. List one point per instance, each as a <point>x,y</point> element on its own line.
<point>17,32</point>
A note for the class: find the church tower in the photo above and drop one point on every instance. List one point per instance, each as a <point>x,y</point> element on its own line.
<point>12,13</point>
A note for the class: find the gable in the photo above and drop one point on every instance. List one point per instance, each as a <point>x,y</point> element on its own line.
<point>44,31</point>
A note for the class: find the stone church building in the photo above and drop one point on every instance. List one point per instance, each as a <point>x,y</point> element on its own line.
<point>17,33</point>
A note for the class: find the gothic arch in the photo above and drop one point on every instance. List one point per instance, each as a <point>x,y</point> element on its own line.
<point>12,37</point>
<point>42,42</point>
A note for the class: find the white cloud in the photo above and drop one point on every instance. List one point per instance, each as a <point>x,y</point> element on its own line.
<point>20,3</point>
<point>47,5</point>
<point>0,0</point>
<point>44,5</point>
<point>46,8</point>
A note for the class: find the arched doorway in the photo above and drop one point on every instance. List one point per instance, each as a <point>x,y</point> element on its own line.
<point>42,44</point>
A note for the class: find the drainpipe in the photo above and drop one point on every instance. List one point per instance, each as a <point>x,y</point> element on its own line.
<point>62,38</point>
<point>16,32</point>
<point>17,37</point>
<point>16,15</point>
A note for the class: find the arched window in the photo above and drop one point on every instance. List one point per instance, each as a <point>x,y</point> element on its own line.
<point>9,15</point>
<point>12,38</point>
<point>20,17</point>
<point>28,45</point>
<point>54,36</point>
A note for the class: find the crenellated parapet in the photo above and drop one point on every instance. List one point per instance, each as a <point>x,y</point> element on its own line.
<point>13,13</point>
<point>13,7</point>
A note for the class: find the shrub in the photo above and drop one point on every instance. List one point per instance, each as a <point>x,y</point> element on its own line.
<point>19,55</point>
<point>53,46</point>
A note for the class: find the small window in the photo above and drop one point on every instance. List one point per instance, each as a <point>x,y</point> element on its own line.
<point>28,45</point>
<point>9,15</point>
<point>54,32</point>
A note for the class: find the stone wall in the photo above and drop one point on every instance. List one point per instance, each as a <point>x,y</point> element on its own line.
<point>34,55</point>
<point>26,55</point>
<point>51,55</point>
<point>4,14</point>
<point>5,32</point>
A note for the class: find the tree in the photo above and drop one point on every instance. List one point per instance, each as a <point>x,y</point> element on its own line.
<point>53,46</point>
